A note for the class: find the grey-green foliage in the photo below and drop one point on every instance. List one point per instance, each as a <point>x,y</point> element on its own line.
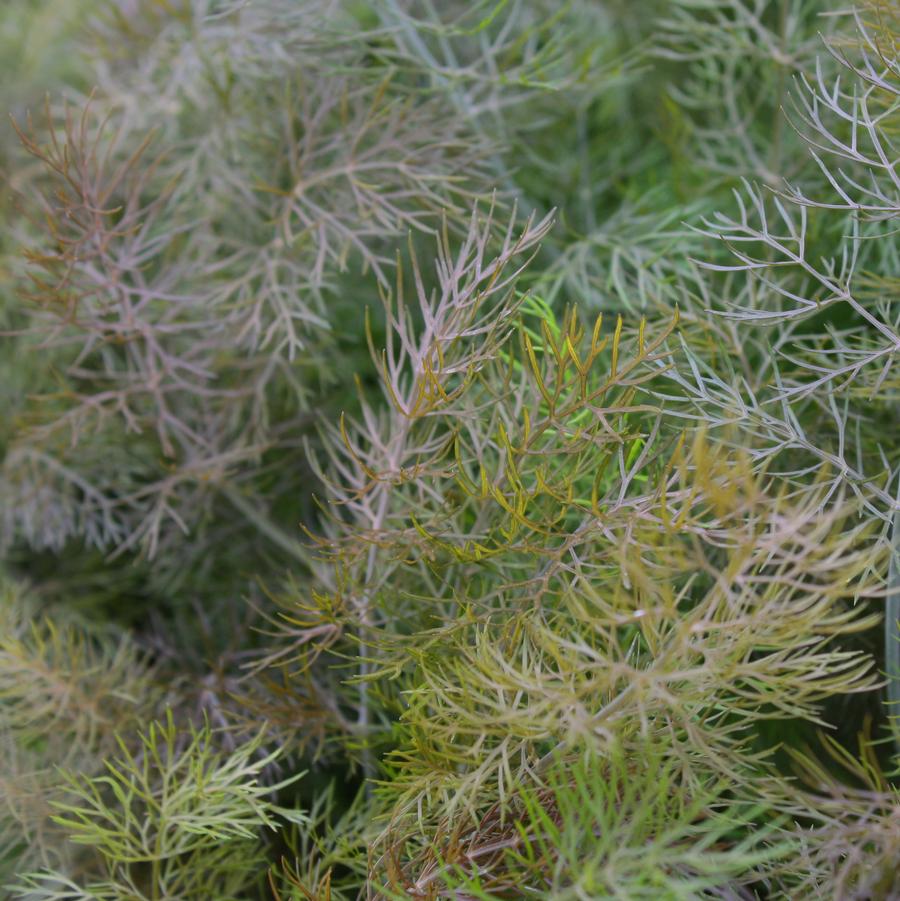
<point>616,825</point>
<point>590,600</point>
<point>65,688</point>
<point>174,817</point>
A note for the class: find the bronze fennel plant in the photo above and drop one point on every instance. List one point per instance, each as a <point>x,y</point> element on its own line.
<point>451,451</point>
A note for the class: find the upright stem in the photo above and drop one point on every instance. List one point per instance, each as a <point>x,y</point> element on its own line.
<point>775,153</point>
<point>892,629</point>
<point>403,424</point>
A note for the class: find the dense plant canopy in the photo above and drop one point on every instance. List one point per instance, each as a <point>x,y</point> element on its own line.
<point>451,450</point>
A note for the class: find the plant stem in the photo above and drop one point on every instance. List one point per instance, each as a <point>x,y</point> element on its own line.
<point>892,628</point>
<point>265,525</point>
